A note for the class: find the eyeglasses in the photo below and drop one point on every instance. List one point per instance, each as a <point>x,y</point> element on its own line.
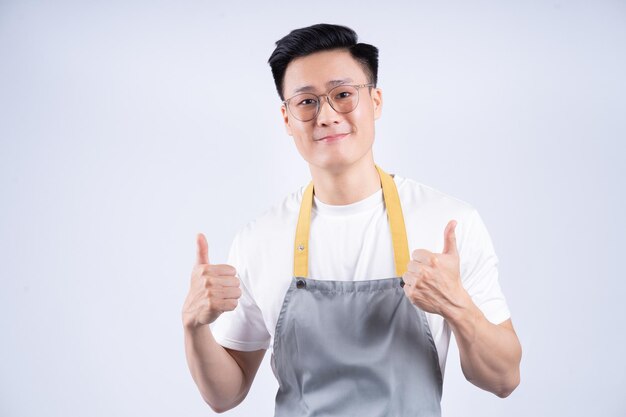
<point>343,99</point>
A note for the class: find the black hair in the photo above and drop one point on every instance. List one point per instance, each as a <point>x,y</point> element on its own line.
<point>321,37</point>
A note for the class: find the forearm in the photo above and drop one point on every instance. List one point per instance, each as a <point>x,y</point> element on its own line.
<point>216,373</point>
<point>490,354</point>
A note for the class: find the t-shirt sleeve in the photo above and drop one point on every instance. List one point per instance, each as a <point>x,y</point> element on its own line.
<point>479,270</point>
<point>243,328</point>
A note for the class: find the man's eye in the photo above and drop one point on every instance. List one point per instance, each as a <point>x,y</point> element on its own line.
<point>306,102</point>
<point>343,95</point>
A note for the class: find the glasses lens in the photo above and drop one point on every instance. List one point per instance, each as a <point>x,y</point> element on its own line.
<point>344,98</point>
<point>303,106</point>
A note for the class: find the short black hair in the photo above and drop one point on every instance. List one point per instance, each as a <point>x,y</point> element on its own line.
<point>321,37</point>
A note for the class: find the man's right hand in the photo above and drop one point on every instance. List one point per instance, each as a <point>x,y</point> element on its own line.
<point>213,290</point>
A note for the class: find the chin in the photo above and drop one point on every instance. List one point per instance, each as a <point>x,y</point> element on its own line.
<point>333,164</point>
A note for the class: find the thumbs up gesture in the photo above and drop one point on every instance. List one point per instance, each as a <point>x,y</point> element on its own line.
<point>433,280</point>
<point>214,289</point>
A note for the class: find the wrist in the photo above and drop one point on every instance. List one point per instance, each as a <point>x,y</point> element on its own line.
<point>190,324</point>
<point>462,314</point>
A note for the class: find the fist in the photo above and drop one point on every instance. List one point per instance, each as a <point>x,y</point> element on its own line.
<point>433,280</point>
<point>214,289</point>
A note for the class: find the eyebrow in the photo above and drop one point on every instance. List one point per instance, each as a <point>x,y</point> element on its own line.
<point>332,83</point>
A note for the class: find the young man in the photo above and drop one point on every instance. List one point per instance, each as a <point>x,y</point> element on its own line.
<point>356,326</point>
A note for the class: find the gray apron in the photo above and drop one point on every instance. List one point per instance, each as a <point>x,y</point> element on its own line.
<point>354,348</point>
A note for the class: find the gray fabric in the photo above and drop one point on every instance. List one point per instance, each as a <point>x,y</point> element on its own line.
<point>354,348</point>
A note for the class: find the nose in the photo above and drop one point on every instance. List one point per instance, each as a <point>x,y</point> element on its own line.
<point>327,115</point>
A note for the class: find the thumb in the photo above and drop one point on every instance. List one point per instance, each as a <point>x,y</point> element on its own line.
<point>202,256</point>
<point>449,238</point>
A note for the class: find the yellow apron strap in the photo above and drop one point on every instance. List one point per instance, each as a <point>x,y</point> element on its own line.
<point>394,214</point>
<point>301,250</point>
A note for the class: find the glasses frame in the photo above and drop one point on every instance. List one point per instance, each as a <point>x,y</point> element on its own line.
<point>327,95</point>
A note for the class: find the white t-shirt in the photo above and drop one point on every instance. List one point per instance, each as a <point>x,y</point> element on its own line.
<point>353,242</point>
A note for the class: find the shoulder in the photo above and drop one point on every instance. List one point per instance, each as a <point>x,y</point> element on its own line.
<point>428,210</point>
<point>274,224</point>
<point>414,194</point>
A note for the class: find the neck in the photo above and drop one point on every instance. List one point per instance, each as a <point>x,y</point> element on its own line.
<point>348,184</point>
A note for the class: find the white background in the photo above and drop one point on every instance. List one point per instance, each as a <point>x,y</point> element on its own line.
<point>128,127</point>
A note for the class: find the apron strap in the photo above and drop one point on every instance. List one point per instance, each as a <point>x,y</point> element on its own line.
<point>394,214</point>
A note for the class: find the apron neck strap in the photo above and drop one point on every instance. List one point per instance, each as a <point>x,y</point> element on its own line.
<point>394,214</point>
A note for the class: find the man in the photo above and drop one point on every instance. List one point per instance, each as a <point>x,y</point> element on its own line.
<point>325,279</point>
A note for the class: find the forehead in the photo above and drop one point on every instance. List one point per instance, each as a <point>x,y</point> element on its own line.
<point>320,70</point>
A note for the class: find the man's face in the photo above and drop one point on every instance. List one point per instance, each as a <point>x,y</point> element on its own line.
<point>321,71</point>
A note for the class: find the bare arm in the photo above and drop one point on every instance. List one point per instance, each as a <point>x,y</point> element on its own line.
<point>223,376</point>
<point>490,354</point>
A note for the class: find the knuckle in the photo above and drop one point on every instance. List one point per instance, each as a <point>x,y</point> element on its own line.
<point>224,270</point>
<point>417,282</point>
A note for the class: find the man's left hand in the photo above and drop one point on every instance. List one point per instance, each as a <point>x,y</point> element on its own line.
<point>433,280</point>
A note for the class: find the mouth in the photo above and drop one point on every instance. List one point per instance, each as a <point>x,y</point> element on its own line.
<point>332,138</point>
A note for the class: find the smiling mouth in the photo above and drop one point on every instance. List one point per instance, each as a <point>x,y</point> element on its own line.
<point>332,138</point>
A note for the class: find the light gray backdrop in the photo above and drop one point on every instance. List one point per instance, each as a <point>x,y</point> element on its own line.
<point>128,127</point>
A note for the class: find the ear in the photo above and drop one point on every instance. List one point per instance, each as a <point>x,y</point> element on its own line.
<point>377,101</point>
<point>285,114</point>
